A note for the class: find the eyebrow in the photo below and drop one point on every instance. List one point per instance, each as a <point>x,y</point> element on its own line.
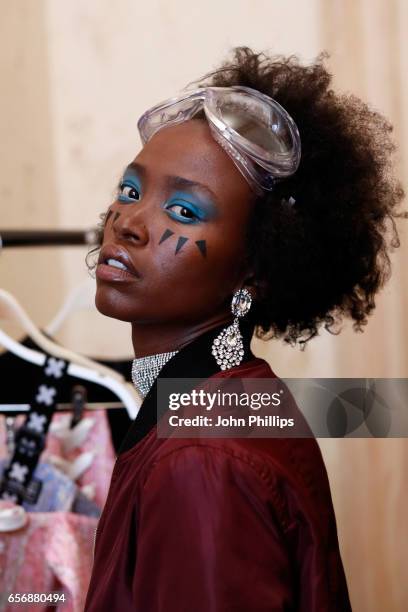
<point>177,182</point>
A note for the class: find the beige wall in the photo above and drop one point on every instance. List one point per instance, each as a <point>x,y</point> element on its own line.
<point>28,182</point>
<point>369,45</point>
<point>75,77</point>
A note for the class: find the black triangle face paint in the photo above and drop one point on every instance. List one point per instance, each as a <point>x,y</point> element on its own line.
<point>117,215</point>
<point>202,246</point>
<point>166,235</point>
<point>180,243</point>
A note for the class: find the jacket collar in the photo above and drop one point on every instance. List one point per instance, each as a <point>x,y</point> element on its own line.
<point>194,360</point>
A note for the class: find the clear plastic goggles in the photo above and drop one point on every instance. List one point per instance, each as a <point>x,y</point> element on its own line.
<point>254,130</point>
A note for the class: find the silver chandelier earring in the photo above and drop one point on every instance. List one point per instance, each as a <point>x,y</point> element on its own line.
<point>228,348</point>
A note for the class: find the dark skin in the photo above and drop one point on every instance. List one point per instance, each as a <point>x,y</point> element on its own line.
<point>187,270</point>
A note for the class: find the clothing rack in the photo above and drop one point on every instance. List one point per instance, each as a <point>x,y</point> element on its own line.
<point>14,409</point>
<point>34,238</point>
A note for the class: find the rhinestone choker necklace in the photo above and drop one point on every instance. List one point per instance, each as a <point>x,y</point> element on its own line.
<point>145,370</point>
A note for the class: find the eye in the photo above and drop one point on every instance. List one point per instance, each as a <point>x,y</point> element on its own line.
<point>182,211</point>
<point>128,193</point>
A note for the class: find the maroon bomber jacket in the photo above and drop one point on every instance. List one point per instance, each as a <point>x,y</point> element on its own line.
<point>216,525</point>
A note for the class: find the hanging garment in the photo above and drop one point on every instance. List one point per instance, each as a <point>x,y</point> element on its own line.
<point>15,371</point>
<point>97,441</point>
<point>18,482</point>
<point>52,552</point>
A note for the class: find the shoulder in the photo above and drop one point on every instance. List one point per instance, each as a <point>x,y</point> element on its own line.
<point>286,476</point>
<point>214,475</point>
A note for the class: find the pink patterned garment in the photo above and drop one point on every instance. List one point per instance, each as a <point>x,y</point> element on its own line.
<point>52,552</point>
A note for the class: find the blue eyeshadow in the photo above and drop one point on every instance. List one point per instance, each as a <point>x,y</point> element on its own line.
<point>203,209</point>
<point>129,179</point>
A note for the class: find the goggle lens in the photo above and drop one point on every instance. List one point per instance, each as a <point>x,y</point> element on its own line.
<point>273,139</point>
<point>254,121</point>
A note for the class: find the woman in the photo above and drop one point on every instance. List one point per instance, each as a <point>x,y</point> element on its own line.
<point>212,236</point>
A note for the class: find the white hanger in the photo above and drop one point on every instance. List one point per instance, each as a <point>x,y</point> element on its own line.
<point>81,298</point>
<point>78,365</point>
<point>11,310</point>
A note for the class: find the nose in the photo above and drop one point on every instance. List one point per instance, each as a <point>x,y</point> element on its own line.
<point>128,225</point>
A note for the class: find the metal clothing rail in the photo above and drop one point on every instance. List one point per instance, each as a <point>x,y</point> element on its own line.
<point>33,238</point>
<point>14,409</point>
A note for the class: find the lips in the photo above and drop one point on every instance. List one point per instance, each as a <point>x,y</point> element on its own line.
<point>118,259</point>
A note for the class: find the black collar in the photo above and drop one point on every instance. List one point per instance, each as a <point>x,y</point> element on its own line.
<point>194,360</point>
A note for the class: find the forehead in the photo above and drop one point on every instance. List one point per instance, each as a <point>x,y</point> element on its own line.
<point>189,150</point>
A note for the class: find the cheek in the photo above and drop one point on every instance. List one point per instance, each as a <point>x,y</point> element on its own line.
<point>201,262</point>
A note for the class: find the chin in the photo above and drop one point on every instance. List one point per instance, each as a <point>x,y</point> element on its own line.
<point>111,304</point>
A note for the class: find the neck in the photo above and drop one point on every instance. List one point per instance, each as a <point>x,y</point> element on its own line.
<point>151,339</point>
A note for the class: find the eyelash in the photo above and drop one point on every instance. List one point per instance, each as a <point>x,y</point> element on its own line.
<point>124,196</point>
